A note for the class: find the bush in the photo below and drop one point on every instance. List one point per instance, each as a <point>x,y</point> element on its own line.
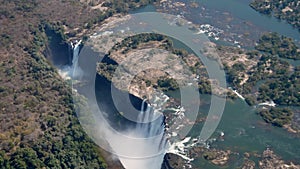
<point>167,84</point>
<point>277,116</point>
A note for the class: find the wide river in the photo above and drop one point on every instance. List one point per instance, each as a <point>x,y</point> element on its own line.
<point>244,130</point>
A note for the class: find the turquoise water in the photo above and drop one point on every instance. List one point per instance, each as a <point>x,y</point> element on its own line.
<point>239,22</point>
<point>244,130</point>
<point>240,9</point>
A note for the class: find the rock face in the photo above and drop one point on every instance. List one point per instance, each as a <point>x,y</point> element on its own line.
<point>112,163</point>
<point>172,161</point>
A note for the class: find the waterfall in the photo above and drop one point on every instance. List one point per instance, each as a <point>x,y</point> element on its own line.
<point>146,144</point>
<point>76,49</point>
<point>66,71</point>
<point>140,147</point>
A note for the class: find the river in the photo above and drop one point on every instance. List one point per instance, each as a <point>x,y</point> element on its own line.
<point>234,21</point>
<point>244,130</point>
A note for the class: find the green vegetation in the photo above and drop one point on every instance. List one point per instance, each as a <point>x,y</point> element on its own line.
<point>280,81</point>
<point>250,100</point>
<point>107,70</point>
<point>275,44</point>
<point>210,155</point>
<point>55,138</point>
<point>132,42</point>
<point>126,5</point>
<point>284,90</point>
<point>232,73</point>
<point>39,125</point>
<point>282,84</point>
<point>167,84</point>
<point>272,78</point>
<point>277,116</point>
<point>204,86</point>
<point>288,10</point>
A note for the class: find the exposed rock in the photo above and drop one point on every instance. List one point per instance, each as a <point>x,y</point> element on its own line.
<point>248,164</point>
<point>173,161</point>
<point>194,5</point>
<point>215,156</point>
<point>272,161</point>
<point>247,155</point>
<point>221,157</point>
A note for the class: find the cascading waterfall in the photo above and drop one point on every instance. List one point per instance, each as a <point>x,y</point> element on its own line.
<point>151,123</point>
<point>66,72</point>
<point>146,144</point>
<point>76,49</point>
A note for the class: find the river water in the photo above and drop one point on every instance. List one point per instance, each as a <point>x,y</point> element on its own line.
<point>244,130</point>
<point>237,23</point>
<point>241,11</point>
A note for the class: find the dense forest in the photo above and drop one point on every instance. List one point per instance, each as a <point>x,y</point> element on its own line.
<point>39,127</point>
<point>277,116</point>
<point>282,46</point>
<point>282,82</point>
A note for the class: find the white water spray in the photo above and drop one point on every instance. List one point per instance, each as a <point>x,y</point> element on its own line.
<point>66,72</point>
<point>143,146</point>
<point>76,49</point>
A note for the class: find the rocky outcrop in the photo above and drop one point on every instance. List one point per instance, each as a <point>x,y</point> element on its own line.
<point>248,164</point>
<point>271,161</point>
<point>173,161</point>
<point>215,156</point>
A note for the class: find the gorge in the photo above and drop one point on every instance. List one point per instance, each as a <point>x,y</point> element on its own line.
<point>244,130</point>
